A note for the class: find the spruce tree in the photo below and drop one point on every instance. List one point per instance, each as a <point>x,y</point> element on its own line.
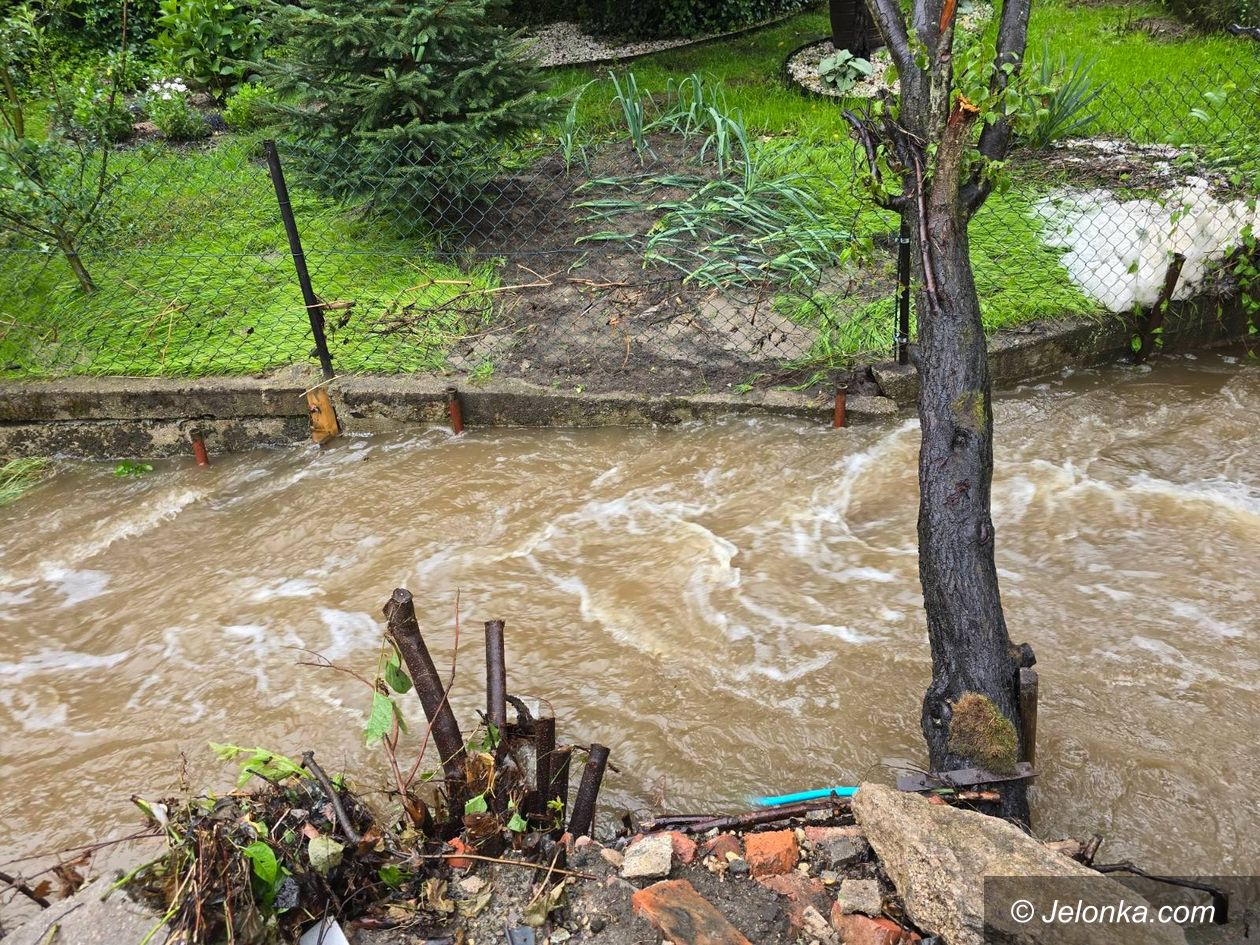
<point>402,101</point>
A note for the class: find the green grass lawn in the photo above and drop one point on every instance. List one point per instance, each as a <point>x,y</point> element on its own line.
<point>195,275</point>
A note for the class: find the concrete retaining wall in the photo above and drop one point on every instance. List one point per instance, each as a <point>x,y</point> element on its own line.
<point>151,417</point>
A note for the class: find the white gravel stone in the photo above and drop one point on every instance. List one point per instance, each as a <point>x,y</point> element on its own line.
<point>861,895</point>
<point>649,858</point>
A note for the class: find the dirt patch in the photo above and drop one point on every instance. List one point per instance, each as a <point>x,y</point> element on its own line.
<point>1117,165</point>
<point>581,307</point>
<point>1163,28</point>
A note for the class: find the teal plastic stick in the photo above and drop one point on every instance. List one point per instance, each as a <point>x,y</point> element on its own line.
<point>775,801</point>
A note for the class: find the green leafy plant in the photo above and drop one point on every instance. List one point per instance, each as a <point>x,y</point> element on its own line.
<point>131,468</point>
<point>250,107</point>
<point>692,103</point>
<point>259,762</point>
<point>54,185</point>
<point>571,148</point>
<point>168,108</point>
<point>756,224</point>
<point>842,70</point>
<point>1063,92</point>
<point>635,106</point>
<point>402,103</point>
<point>210,42</point>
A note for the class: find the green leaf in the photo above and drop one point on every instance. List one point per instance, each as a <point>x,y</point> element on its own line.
<point>476,805</point>
<point>380,720</point>
<point>263,860</point>
<point>395,677</point>
<point>324,853</point>
<point>517,823</point>
<point>391,876</point>
<point>131,468</point>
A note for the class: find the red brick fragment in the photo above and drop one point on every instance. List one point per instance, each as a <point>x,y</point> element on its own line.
<point>684,847</point>
<point>863,930</point>
<point>459,862</point>
<point>721,845</point>
<point>683,916</point>
<point>772,852</point>
<point>801,892</point>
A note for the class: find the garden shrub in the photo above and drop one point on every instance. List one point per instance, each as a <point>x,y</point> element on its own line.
<point>85,27</point>
<point>168,108</point>
<point>210,42</point>
<point>400,101</point>
<point>250,107</point>
<point>656,18</point>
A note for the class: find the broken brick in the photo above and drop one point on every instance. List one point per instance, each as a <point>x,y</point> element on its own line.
<point>862,930</point>
<point>684,847</point>
<point>721,845</point>
<point>460,862</point>
<point>683,916</point>
<point>771,852</point>
<point>801,892</point>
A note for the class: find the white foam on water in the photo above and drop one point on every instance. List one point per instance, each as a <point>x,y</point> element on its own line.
<point>1234,497</point>
<point>14,600</point>
<point>283,588</point>
<point>77,586</point>
<point>1111,593</point>
<point>824,520</point>
<point>58,661</point>
<point>153,512</point>
<point>1118,251</point>
<point>255,645</point>
<point>348,631</point>
<point>1200,619</point>
<point>32,715</point>
<point>1012,497</point>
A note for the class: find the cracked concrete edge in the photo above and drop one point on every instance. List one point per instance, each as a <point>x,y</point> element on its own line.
<point>152,417</point>
<point>115,417</point>
<point>1040,350</point>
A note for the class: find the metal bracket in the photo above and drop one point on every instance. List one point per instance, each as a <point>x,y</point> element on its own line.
<point>963,778</point>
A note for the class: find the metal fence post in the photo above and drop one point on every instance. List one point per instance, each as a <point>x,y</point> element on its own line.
<point>314,308</point>
<point>903,293</point>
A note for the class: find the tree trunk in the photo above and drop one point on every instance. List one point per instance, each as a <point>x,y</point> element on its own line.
<point>971,710</point>
<point>68,249</point>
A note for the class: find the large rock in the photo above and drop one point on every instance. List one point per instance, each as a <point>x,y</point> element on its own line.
<point>938,857</point>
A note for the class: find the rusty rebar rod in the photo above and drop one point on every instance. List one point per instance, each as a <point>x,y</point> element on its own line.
<point>842,394</point>
<point>455,409</point>
<point>544,754</point>
<point>582,823</point>
<point>404,631</point>
<point>753,818</point>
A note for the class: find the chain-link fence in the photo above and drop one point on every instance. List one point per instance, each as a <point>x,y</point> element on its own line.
<point>691,255</point>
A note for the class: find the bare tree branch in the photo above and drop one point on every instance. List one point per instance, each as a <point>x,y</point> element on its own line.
<point>995,139</point>
<point>892,27</point>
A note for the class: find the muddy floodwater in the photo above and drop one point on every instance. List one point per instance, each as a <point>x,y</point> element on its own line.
<point>733,607</point>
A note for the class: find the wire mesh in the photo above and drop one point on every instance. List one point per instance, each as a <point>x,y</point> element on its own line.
<point>670,262</point>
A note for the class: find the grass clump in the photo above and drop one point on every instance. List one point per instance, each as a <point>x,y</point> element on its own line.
<point>19,475</point>
<point>980,732</point>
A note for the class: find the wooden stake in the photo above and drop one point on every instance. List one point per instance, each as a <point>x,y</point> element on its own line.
<point>1028,682</point>
<point>324,426</point>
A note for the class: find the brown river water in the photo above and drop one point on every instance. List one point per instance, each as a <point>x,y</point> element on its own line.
<point>733,607</point>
